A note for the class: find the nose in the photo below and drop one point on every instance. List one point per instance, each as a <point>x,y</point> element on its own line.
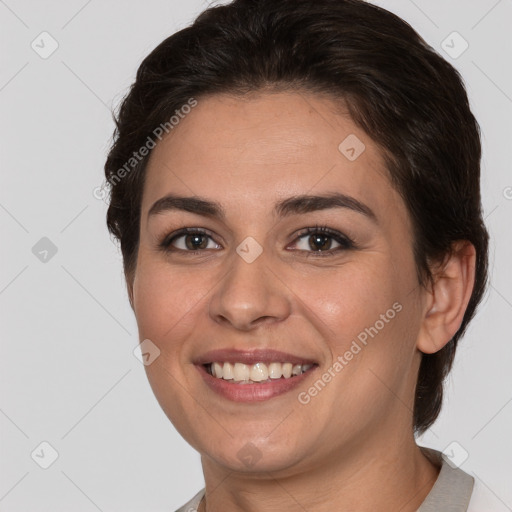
<point>249,295</point>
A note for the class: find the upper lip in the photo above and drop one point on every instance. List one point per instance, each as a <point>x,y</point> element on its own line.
<point>229,355</point>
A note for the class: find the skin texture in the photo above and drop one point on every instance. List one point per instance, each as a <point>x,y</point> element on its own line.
<point>353,442</point>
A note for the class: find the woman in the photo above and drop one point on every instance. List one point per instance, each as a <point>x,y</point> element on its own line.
<point>295,187</point>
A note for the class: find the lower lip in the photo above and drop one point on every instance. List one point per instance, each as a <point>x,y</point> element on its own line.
<point>256,392</point>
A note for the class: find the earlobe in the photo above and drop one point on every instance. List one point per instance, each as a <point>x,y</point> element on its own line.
<point>448,298</point>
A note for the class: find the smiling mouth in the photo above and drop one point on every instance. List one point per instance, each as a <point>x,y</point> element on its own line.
<point>258,373</point>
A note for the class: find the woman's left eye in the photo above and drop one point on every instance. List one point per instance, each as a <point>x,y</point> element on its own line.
<point>322,240</point>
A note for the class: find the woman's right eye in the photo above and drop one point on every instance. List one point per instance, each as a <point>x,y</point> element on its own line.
<point>189,240</point>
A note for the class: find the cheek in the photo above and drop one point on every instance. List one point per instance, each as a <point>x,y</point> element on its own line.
<point>166,299</point>
<point>370,320</point>
<point>368,315</point>
<point>166,303</point>
<point>350,297</point>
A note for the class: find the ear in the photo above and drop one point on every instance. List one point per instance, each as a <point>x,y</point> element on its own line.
<point>447,298</point>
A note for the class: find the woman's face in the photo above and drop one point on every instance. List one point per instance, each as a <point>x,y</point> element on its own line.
<point>254,280</point>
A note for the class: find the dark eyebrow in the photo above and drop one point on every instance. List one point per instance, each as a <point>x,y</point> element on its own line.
<point>308,203</point>
<point>292,205</point>
<point>188,204</point>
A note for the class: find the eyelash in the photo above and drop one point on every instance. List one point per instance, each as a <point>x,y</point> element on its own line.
<point>345,242</point>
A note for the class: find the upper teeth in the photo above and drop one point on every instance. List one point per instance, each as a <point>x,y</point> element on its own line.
<point>240,372</point>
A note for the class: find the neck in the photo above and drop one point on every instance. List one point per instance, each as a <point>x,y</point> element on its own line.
<point>389,477</point>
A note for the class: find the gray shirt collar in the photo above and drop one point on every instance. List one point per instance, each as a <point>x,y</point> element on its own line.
<point>452,489</point>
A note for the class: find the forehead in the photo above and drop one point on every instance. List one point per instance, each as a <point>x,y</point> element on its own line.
<point>260,148</point>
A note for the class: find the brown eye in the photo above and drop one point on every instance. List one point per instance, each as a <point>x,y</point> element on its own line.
<point>322,241</point>
<point>319,242</point>
<point>189,240</point>
<point>198,241</point>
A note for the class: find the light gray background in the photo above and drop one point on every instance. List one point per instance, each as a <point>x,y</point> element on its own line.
<point>68,373</point>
